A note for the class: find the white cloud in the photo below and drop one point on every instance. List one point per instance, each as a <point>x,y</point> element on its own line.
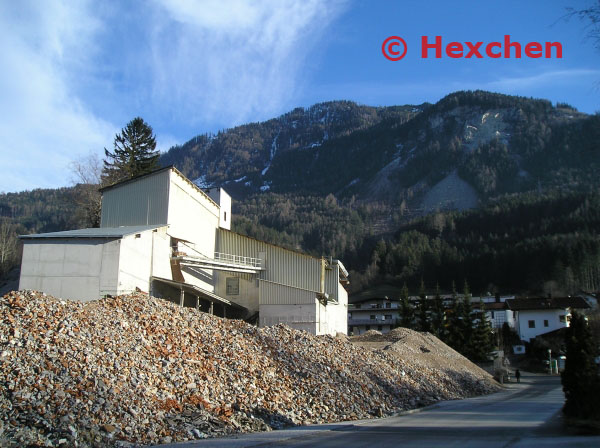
<point>544,79</point>
<point>43,124</point>
<point>72,69</point>
<point>233,61</point>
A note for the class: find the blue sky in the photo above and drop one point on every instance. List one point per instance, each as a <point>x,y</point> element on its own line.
<point>75,72</point>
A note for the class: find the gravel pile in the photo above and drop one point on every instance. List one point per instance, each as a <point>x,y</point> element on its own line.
<point>134,369</point>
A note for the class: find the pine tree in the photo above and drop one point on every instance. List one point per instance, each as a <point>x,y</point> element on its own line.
<point>424,324</point>
<point>467,322</point>
<point>408,312</point>
<point>482,340</point>
<point>580,380</point>
<point>134,153</point>
<point>438,315</point>
<point>456,337</point>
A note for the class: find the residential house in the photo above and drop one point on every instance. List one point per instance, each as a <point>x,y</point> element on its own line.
<point>381,314</point>
<point>536,316</point>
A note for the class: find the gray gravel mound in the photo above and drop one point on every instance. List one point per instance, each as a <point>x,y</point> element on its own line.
<point>135,369</point>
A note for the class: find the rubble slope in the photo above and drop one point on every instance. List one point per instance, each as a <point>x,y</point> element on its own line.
<point>138,369</point>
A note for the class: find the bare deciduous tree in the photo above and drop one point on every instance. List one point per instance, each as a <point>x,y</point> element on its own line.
<point>86,176</point>
<point>8,245</point>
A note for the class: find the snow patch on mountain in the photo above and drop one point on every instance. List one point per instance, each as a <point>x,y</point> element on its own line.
<point>271,154</point>
<point>201,182</point>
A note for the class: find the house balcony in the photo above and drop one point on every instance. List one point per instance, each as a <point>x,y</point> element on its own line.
<point>356,322</point>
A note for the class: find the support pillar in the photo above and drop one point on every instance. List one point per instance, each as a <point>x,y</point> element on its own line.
<point>224,311</point>
<point>197,302</point>
<point>181,297</point>
<point>211,309</point>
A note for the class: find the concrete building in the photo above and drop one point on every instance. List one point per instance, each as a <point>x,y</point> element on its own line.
<point>537,316</point>
<point>162,234</point>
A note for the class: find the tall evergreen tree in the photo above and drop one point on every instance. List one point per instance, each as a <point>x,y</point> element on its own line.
<point>456,336</point>
<point>580,379</point>
<point>408,312</point>
<point>467,321</point>
<point>134,153</point>
<point>482,341</point>
<point>423,311</point>
<point>438,315</point>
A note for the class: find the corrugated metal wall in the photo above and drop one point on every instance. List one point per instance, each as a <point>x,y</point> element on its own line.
<point>282,266</point>
<point>275,294</point>
<point>140,202</point>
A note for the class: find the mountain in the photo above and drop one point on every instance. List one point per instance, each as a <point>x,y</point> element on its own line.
<point>368,184</point>
<point>253,157</point>
<point>468,147</point>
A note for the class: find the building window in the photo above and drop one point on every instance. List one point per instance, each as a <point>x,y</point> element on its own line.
<point>372,317</point>
<point>388,317</point>
<point>492,314</point>
<point>232,286</point>
<point>367,327</point>
<point>532,324</point>
<point>349,315</point>
<point>357,306</point>
<point>380,327</point>
<point>561,318</point>
<point>350,329</point>
<point>545,322</point>
<point>388,305</point>
<point>224,216</point>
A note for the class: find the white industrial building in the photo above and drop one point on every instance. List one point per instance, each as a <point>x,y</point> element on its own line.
<point>162,234</point>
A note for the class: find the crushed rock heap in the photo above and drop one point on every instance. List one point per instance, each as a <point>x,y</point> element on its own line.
<point>142,370</point>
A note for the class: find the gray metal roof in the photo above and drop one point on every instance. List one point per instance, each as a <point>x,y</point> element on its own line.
<point>103,232</point>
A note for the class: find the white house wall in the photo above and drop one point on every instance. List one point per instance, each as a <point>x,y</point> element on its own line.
<point>83,269</point>
<point>552,316</point>
<point>142,201</point>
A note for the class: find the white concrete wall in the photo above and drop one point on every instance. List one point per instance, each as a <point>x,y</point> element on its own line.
<point>161,264</point>
<point>300,317</point>
<point>222,198</point>
<point>552,316</point>
<point>83,269</point>
<point>135,262</point>
<point>193,216</point>
<point>249,289</point>
<point>334,317</point>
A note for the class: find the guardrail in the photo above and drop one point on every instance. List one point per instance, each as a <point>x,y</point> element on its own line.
<point>238,259</point>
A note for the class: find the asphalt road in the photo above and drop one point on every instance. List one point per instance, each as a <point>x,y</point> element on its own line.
<point>523,415</point>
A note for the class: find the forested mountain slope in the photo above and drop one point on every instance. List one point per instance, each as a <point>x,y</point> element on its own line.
<point>498,189</point>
